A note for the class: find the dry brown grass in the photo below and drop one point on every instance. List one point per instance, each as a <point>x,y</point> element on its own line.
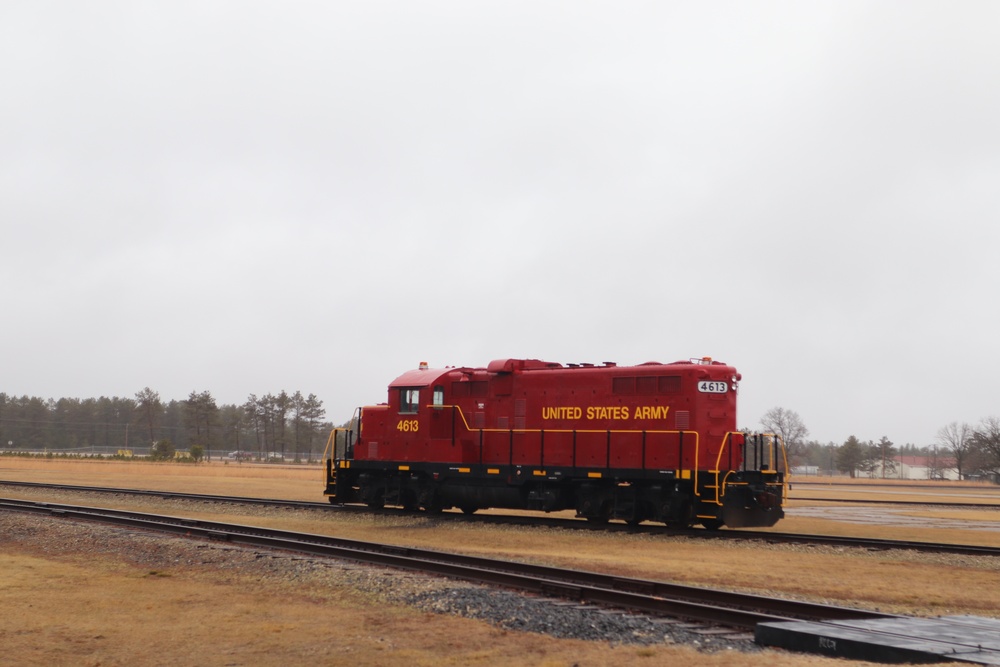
<point>293,482</point>
<point>899,490</point>
<point>103,613</point>
<point>878,481</point>
<point>809,525</point>
<point>957,515</point>
<point>106,613</point>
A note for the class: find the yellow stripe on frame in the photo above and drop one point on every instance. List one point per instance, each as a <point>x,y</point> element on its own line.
<point>404,467</point>
<point>594,475</point>
<point>493,471</point>
<point>538,473</point>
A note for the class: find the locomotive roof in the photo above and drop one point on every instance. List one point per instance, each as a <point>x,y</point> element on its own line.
<point>422,377</point>
<point>425,377</point>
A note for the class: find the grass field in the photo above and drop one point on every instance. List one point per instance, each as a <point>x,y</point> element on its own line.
<point>61,594</point>
<point>944,491</point>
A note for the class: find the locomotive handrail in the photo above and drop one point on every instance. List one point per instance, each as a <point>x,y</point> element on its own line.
<point>720,484</point>
<point>542,431</point>
<point>559,430</point>
<point>727,442</point>
<point>330,449</point>
<point>331,444</point>
<point>695,469</point>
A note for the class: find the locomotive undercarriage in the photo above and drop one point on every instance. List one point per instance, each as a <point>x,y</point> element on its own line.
<point>751,498</point>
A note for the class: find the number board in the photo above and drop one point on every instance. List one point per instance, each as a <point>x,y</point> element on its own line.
<point>713,387</point>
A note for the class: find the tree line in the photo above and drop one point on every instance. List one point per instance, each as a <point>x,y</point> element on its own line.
<point>969,450</point>
<point>269,426</point>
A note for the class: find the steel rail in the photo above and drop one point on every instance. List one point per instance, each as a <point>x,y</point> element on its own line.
<point>890,484</point>
<point>932,503</point>
<point>562,523</point>
<point>314,504</point>
<point>871,543</point>
<point>246,500</point>
<point>738,610</point>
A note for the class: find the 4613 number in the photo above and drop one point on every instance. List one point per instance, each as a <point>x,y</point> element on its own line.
<point>408,425</point>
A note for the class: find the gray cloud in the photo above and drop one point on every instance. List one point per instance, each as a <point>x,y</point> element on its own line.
<point>244,197</point>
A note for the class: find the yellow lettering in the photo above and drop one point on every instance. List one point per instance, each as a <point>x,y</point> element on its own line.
<point>652,411</point>
<point>599,412</point>
<point>603,412</point>
<point>561,412</point>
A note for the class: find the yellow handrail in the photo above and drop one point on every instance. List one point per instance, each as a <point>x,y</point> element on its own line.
<point>727,441</point>
<point>697,436</point>
<point>330,450</point>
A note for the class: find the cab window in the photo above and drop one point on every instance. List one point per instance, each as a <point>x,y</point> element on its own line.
<point>438,395</point>
<point>409,400</point>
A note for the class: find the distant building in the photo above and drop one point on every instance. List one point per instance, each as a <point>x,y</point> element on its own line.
<point>919,467</point>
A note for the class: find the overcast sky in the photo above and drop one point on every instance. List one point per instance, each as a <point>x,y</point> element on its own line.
<point>244,197</point>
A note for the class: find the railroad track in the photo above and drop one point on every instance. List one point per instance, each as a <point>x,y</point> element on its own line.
<point>736,610</point>
<point>561,523</point>
<point>244,500</point>
<point>895,485</point>
<point>926,503</point>
<point>990,493</point>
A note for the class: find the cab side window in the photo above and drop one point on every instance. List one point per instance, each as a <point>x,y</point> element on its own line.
<point>438,395</point>
<point>409,400</point>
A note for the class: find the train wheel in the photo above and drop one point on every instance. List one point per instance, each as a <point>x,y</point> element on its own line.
<point>638,516</point>
<point>469,509</point>
<point>432,503</point>
<point>683,519</point>
<point>408,500</point>
<point>374,498</point>
<point>594,508</point>
<point>712,524</point>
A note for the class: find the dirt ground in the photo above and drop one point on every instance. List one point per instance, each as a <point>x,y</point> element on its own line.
<point>77,609</point>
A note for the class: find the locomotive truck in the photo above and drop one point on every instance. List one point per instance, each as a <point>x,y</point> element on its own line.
<point>652,442</point>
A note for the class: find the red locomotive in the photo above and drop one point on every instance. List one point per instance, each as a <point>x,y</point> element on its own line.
<point>650,442</point>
